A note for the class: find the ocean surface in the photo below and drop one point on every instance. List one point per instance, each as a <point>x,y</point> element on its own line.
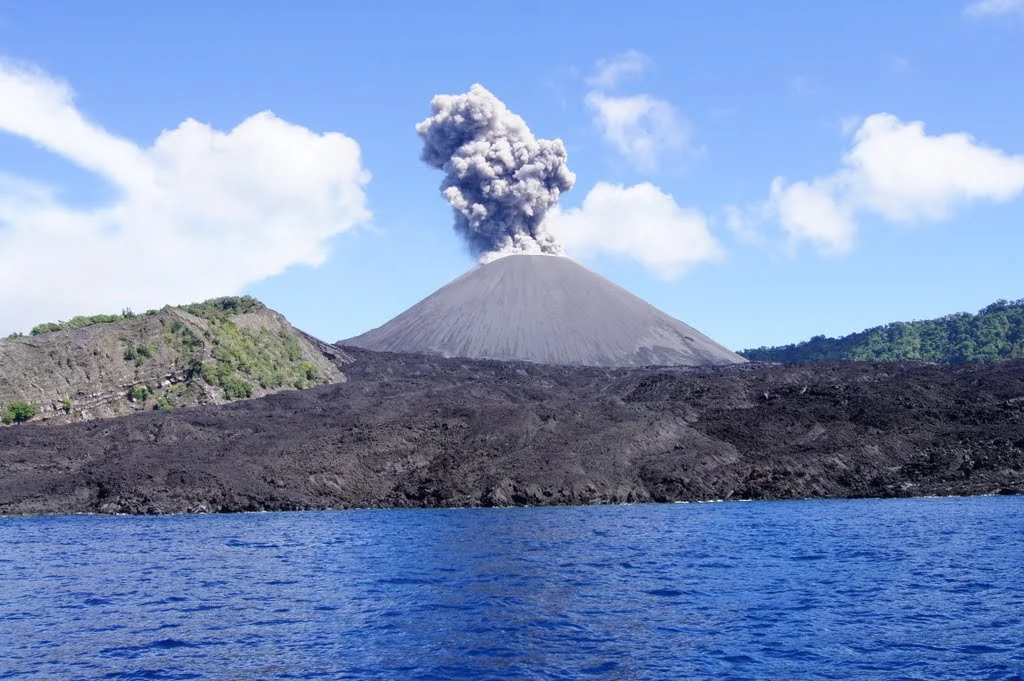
<point>873,589</point>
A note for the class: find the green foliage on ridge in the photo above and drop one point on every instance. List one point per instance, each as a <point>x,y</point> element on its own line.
<point>995,333</point>
<point>215,308</point>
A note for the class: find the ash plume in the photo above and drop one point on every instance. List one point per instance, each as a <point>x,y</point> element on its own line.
<point>499,179</point>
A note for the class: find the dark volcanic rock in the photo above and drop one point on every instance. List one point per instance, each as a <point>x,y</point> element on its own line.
<point>412,431</point>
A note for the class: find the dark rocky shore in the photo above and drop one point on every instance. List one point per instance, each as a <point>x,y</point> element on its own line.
<point>412,431</point>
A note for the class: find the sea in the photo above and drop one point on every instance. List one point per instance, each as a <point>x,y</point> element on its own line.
<point>861,589</point>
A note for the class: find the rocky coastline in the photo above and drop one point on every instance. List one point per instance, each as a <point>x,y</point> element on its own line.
<point>409,431</point>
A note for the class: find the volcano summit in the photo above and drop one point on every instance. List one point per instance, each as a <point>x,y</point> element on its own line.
<point>545,309</point>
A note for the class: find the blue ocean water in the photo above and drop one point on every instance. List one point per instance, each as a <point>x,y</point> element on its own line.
<point>907,589</point>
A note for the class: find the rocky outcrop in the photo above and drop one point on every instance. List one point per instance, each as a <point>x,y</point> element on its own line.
<point>165,359</point>
<point>414,431</point>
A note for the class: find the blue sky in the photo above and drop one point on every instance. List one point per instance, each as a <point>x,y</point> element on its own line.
<point>873,218</point>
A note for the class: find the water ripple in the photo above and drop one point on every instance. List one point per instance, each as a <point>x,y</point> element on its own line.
<point>910,589</point>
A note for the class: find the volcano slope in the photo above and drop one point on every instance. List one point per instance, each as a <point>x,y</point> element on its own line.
<point>546,309</point>
<point>415,431</point>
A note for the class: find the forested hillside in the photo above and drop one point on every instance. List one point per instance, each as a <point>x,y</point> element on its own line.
<point>995,333</point>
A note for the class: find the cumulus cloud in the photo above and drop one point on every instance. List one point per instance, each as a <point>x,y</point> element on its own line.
<point>198,213</point>
<point>640,127</point>
<point>900,172</point>
<point>982,8</point>
<point>639,222</point>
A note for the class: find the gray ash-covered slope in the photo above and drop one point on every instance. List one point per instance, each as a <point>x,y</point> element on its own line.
<point>544,309</point>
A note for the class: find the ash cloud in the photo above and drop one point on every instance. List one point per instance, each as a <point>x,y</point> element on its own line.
<point>499,179</point>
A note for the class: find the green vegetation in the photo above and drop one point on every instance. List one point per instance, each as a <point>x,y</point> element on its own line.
<point>995,333</point>
<point>15,335</point>
<point>138,393</point>
<point>238,358</point>
<point>216,308</point>
<point>81,322</point>
<point>270,359</point>
<point>66,404</point>
<point>221,308</point>
<point>138,353</point>
<point>18,412</point>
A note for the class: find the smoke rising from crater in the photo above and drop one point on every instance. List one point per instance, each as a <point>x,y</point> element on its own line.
<point>499,179</point>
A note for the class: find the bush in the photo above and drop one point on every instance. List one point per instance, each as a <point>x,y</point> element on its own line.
<point>46,328</point>
<point>236,389</point>
<point>67,405</point>
<point>308,371</point>
<point>138,393</point>
<point>221,308</point>
<point>18,412</point>
<point>138,353</point>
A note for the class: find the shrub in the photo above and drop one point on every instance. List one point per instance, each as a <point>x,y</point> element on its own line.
<point>308,371</point>
<point>18,412</point>
<point>46,328</point>
<point>235,388</point>
<point>67,405</point>
<point>138,393</point>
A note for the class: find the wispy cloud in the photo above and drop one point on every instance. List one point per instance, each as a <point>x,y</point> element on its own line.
<point>640,127</point>
<point>612,71</point>
<point>984,8</point>
<point>899,66</point>
<point>800,85</point>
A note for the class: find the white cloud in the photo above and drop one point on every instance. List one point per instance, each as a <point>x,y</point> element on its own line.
<point>611,71</point>
<point>810,211</point>
<point>980,8</point>
<point>200,212</point>
<point>640,127</point>
<point>898,171</point>
<point>639,222</point>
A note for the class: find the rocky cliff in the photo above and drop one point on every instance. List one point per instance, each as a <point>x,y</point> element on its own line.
<point>207,353</point>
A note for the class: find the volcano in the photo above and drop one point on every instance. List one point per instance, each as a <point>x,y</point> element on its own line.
<point>545,309</point>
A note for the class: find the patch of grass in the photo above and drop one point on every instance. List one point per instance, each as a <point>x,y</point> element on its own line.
<point>67,405</point>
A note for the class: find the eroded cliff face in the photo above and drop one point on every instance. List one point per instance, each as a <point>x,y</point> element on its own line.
<point>161,360</point>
